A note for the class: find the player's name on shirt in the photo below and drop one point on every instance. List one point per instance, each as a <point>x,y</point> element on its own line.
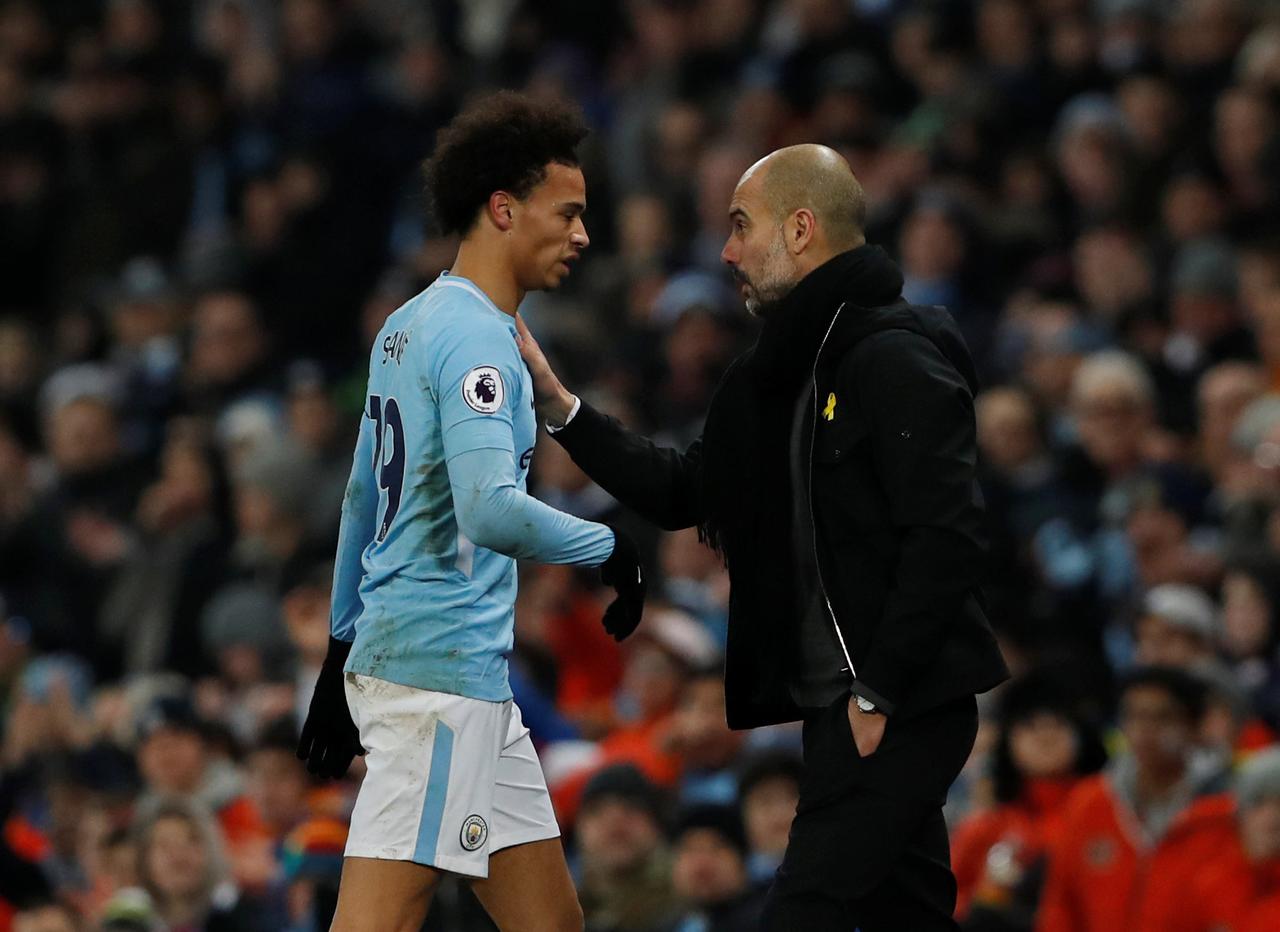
<point>394,344</point>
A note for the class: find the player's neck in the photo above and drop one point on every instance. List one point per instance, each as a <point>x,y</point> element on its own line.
<point>490,271</point>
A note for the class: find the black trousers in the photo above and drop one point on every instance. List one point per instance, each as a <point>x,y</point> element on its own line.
<point>868,848</point>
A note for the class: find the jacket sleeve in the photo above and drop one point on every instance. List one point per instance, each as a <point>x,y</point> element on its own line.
<point>924,447</point>
<point>658,483</point>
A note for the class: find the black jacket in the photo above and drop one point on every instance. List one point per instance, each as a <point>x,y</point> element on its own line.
<point>898,515</point>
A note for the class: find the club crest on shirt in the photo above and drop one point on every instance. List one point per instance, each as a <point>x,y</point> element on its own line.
<point>482,389</point>
<point>474,832</point>
<point>1100,853</point>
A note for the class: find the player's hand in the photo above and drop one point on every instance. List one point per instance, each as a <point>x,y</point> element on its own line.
<point>330,739</point>
<point>867,728</point>
<point>624,572</point>
<point>553,401</point>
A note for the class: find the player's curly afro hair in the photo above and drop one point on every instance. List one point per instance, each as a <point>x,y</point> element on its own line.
<point>502,142</point>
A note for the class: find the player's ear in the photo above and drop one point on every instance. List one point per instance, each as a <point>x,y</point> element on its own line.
<point>500,204</point>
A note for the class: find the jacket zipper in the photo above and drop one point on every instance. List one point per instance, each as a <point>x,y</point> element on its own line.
<point>813,521</point>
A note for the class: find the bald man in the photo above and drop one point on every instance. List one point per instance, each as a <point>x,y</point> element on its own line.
<point>835,474</point>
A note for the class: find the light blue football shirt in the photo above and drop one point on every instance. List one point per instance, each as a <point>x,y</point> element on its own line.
<point>448,419</point>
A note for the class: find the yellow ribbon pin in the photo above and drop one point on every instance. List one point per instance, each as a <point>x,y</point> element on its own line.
<point>829,412</point>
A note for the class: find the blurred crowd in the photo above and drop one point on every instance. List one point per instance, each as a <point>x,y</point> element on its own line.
<point>207,209</point>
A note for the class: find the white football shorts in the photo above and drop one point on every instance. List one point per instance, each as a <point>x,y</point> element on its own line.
<point>449,781</point>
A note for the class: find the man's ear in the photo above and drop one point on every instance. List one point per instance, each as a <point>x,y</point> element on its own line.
<point>499,210</point>
<point>799,230</point>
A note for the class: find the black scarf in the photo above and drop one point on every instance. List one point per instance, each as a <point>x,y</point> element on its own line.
<point>746,441</point>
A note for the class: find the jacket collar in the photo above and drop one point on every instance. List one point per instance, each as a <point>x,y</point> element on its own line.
<point>1203,778</point>
<point>864,276</point>
<point>795,329</point>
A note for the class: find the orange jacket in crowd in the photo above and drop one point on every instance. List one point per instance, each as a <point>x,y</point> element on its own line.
<point>1028,826</point>
<point>240,821</point>
<point>1229,894</point>
<point>643,744</point>
<point>1103,876</point>
<point>588,665</point>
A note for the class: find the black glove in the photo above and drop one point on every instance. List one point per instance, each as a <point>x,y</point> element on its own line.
<point>329,738</point>
<point>625,574</point>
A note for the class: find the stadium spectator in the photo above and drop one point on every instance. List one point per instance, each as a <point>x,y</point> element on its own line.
<point>275,488</point>
<point>47,917</point>
<point>278,782</point>
<point>695,581</point>
<point>624,868</point>
<point>174,564</point>
<point>1239,886</point>
<point>315,427</point>
<point>1178,627</point>
<point>1206,324</point>
<point>144,317</point>
<point>1251,634</point>
<point>1111,400</point>
<point>1045,748</point>
<point>768,790</point>
<point>937,248</point>
<point>305,610</point>
<point>228,360</point>
<point>177,759</point>
<point>1230,728</point>
<point>706,746</point>
<point>1104,875</point>
<point>710,872</point>
<point>245,639</point>
<point>111,866</point>
<point>181,868</point>
<point>1224,391</point>
<point>68,546</point>
<point>312,868</point>
<point>665,649</point>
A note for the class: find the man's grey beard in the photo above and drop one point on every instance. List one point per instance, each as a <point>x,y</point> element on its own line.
<point>777,280</point>
<point>762,310</point>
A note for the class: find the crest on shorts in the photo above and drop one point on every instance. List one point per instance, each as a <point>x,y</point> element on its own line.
<point>482,389</point>
<point>474,832</point>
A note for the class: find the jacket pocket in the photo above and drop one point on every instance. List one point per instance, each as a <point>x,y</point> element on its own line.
<point>848,501</point>
<point>847,731</point>
<point>837,440</point>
